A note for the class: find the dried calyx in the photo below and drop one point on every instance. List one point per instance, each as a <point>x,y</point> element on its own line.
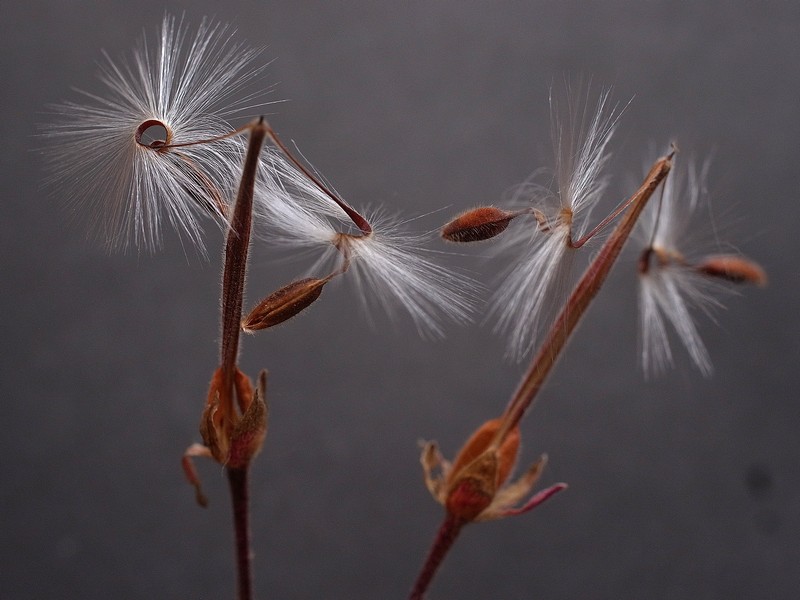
<point>474,487</point>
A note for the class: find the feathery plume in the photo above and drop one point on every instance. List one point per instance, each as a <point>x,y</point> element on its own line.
<point>676,276</point>
<point>544,253</point>
<point>132,158</point>
<point>389,266</point>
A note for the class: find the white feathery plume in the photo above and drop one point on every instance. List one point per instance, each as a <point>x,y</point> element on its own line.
<point>185,88</point>
<point>543,251</point>
<point>671,288</point>
<point>292,210</point>
<point>388,265</point>
<point>391,270</point>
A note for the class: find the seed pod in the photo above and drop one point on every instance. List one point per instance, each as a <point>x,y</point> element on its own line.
<point>477,224</point>
<point>733,268</point>
<point>284,303</point>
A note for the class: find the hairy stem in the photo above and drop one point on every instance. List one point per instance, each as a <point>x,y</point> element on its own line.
<point>238,482</point>
<point>233,277</point>
<point>579,301</point>
<point>446,536</point>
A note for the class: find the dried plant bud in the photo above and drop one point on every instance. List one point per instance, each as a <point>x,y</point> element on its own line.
<point>479,471</point>
<point>284,303</point>
<point>248,436</point>
<point>474,487</point>
<point>478,224</point>
<point>733,268</point>
<point>473,490</point>
<point>480,441</point>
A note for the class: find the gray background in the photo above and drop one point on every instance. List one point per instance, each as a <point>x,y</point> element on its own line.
<point>680,488</point>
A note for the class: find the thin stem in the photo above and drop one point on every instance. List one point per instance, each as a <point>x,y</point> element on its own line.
<point>445,537</point>
<point>238,482</point>
<point>224,136</point>
<point>357,219</point>
<point>578,302</point>
<point>233,277</point>
<point>614,214</point>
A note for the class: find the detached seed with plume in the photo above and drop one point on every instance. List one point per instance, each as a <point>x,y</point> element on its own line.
<point>733,268</point>
<point>284,303</point>
<point>478,224</point>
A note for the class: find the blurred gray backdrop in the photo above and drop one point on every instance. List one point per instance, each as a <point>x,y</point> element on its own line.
<point>679,488</point>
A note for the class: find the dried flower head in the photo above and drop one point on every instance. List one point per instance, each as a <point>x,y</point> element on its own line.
<point>131,154</point>
<point>473,488</point>
<point>677,275</point>
<point>543,251</point>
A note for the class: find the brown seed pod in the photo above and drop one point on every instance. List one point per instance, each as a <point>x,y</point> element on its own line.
<point>283,304</point>
<point>478,224</point>
<point>733,268</point>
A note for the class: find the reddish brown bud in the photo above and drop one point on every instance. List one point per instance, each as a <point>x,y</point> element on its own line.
<point>477,224</point>
<point>733,268</point>
<point>474,487</point>
<point>248,436</point>
<point>284,303</point>
<point>479,471</point>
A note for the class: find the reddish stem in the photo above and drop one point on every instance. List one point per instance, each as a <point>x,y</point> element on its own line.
<point>233,277</point>
<point>354,216</point>
<point>445,537</point>
<point>238,482</point>
<point>579,301</point>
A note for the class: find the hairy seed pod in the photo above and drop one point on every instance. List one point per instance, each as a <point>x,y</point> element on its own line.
<point>477,224</point>
<point>283,304</point>
<point>733,268</point>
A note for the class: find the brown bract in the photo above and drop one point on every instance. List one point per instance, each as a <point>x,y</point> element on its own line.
<point>235,439</point>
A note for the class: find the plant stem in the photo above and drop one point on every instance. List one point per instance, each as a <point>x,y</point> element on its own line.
<point>354,216</point>
<point>238,482</point>
<point>579,301</point>
<point>445,537</point>
<point>233,277</point>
